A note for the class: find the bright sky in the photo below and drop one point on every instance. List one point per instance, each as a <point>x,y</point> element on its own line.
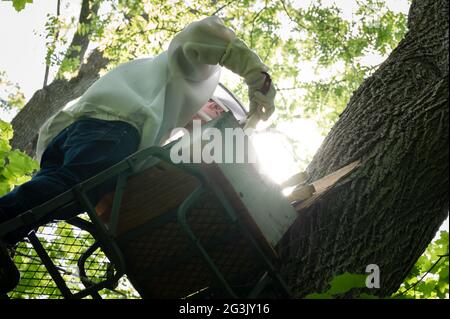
<point>23,50</point>
<point>22,35</point>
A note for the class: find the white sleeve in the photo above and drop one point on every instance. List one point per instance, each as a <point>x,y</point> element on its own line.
<point>195,52</point>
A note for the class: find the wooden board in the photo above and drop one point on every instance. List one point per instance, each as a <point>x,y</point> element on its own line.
<point>323,184</point>
<point>149,194</point>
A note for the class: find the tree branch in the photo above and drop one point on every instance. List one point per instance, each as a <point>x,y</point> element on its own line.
<point>291,88</point>
<point>222,7</point>
<point>253,23</point>
<point>80,42</point>
<point>290,17</point>
<point>47,66</point>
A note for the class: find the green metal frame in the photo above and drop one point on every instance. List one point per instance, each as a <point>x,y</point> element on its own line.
<point>106,235</point>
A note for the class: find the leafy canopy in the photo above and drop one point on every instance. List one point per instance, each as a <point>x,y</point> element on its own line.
<point>15,166</point>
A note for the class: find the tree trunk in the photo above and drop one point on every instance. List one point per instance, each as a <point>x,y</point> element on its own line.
<point>388,210</point>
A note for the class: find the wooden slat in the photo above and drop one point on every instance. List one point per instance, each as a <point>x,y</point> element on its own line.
<point>296,179</point>
<point>148,194</point>
<point>325,183</point>
<point>322,184</point>
<point>302,193</point>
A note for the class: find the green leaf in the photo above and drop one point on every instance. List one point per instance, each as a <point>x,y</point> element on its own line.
<point>4,188</point>
<point>428,287</point>
<point>343,283</point>
<point>443,274</point>
<point>5,131</point>
<point>19,5</point>
<point>20,163</point>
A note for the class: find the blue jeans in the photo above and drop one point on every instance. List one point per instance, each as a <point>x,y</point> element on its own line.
<point>80,151</point>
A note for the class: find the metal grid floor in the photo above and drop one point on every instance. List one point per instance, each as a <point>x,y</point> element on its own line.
<point>164,265</point>
<point>65,244</point>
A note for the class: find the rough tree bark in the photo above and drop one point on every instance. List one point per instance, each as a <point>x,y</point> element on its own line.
<point>389,209</point>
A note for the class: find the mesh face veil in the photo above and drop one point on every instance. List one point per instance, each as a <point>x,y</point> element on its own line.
<point>209,111</point>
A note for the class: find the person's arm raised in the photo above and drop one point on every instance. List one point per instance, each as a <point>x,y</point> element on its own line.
<point>196,52</point>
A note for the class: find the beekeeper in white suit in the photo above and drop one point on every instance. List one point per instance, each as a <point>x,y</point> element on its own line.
<point>134,106</point>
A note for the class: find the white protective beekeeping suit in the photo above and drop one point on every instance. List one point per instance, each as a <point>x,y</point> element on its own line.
<point>158,94</point>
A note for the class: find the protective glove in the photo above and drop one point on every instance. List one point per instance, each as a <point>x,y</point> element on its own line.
<point>241,60</point>
<point>262,98</point>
